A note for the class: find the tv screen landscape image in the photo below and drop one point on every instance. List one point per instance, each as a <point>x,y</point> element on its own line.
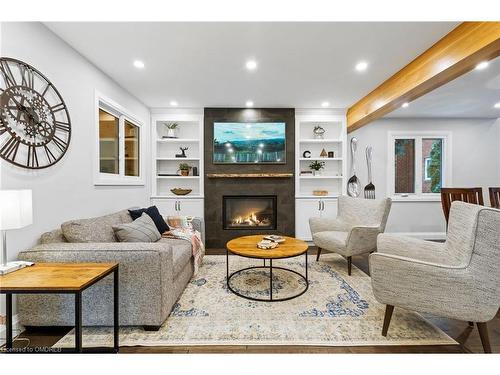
<point>250,142</point>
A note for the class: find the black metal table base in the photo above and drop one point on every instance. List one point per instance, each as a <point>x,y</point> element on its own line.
<point>270,268</point>
<point>78,320</point>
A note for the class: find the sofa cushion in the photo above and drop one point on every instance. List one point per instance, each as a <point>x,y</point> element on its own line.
<point>141,230</point>
<point>97,229</point>
<point>154,214</point>
<point>182,252</point>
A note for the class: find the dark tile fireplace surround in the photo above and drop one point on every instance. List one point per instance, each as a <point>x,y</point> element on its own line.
<point>270,207</point>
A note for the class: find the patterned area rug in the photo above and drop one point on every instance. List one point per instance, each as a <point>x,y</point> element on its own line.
<point>337,310</point>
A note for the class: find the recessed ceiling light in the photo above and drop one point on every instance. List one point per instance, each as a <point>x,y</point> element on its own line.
<point>405,105</point>
<point>249,103</point>
<point>251,64</point>
<point>139,64</point>
<point>325,104</point>
<point>173,103</point>
<point>482,65</point>
<point>497,105</point>
<point>361,66</point>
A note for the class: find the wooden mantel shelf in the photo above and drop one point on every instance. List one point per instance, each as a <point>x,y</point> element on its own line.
<point>250,175</point>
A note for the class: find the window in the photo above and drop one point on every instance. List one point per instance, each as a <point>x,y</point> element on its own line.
<point>419,164</point>
<point>119,150</point>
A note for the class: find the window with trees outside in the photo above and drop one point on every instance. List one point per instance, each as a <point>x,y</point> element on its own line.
<point>419,164</point>
<point>119,152</point>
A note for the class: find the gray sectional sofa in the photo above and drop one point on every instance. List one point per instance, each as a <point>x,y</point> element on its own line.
<point>152,276</point>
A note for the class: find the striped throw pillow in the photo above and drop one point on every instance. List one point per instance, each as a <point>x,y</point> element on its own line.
<point>142,229</point>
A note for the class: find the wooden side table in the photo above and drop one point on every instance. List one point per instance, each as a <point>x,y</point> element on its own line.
<point>61,278</point>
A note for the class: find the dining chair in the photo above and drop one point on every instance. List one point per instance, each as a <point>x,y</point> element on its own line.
<point>495,197</point>
<point>468,195</point>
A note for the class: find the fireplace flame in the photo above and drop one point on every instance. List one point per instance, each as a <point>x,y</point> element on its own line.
<point>251,220</point>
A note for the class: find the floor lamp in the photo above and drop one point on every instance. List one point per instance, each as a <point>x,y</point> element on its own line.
<point>15,212</point>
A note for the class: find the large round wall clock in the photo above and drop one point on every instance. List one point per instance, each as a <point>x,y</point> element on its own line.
<point>35,127</point>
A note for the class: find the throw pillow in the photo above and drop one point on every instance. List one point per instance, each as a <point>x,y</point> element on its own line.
<point>154,214</point>
<point>142,229</point>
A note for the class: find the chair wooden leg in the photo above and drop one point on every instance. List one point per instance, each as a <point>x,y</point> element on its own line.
<point>387,319</point>
<point>349,265</point>
<point>318,254</point>
<point>483,333</point>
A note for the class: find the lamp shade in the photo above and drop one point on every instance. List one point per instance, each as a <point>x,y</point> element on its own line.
<point>15,209</point>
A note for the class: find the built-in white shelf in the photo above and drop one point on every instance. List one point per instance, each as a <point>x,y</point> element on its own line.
<point>177,140</point>
<point>190,135</point>
<point>321,159</point>
<point>326,140</point>
<point>316,196</point>
<point>320,177</point>
<point>178,159</point>
<point>332,178</point>
<point>179,177</point>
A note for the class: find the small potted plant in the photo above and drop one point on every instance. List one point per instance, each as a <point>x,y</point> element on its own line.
<point>184,168</point>
<point>316,167</point>
<point>172,129</point>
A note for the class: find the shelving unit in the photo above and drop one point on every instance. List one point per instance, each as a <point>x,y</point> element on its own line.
<point>333,176</point>
<point>190,134</point>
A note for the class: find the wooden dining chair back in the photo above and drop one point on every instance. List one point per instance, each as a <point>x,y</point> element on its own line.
<point>495,197</point>
<point>468,195</point>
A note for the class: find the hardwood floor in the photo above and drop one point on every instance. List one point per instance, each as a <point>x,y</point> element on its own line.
<point>468,337</point>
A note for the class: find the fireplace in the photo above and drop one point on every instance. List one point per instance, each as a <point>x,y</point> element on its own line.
<point>249,212</point>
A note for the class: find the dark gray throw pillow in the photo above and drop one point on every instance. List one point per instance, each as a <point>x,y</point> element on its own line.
<point>142,229</point>
<point>153,212</point>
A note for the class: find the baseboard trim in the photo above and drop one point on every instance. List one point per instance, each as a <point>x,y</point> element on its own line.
<point>422,235</point>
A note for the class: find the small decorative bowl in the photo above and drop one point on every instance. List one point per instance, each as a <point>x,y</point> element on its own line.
<point>320,193</point>
<point>180,191</point>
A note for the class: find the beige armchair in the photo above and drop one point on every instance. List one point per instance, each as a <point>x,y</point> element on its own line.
<point>458,279</point>
<point>354,231</point>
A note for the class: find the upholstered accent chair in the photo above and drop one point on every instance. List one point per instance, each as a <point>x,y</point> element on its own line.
<point>457,279</point>
<point>354,231</point>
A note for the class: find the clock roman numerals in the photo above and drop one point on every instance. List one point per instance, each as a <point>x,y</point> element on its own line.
<point>7,74</point>
<point>27,76</point>
<point>35,127</point>
<point>62,144</point>
<point>58,107</point>
<point>9,149</point>
<point>32,161</point>
<point>63,126</point>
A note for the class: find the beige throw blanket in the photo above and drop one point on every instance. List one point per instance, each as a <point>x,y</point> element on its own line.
<point>181,228</point>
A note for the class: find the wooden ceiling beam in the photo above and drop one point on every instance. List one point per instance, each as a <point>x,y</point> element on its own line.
<point>455,54</point>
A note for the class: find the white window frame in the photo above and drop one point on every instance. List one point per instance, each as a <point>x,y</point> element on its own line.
<point>419,172</point>
<point>426,169</point>
<point>110,179</point>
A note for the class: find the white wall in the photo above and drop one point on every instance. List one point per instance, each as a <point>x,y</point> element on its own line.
<point>65,190</point>
<point>475,160</point>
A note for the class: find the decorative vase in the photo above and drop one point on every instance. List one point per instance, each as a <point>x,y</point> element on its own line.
<point>184,172</point>
<point>171,133</point>
<point>316,172</point>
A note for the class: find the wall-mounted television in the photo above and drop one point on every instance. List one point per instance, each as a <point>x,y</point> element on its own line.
<point>249,142</point>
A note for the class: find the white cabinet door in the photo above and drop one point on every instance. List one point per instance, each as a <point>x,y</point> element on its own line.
<point>329,208</point>
<point>179,206</point>
<point>191,207</point>
<point>305,209</point>
<point>167,207</point>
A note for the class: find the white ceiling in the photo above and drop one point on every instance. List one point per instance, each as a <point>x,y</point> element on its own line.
<point>202,64</point>
<point>472,95</point>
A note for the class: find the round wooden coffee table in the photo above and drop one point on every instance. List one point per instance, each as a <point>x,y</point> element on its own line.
<point>247,247</point>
